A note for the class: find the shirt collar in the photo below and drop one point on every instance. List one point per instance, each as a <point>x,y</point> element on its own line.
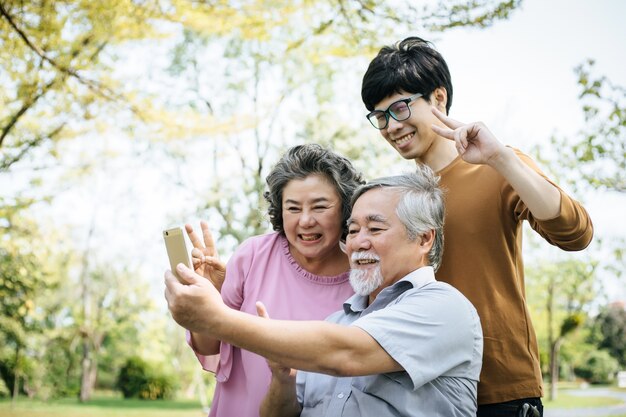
<point>420,277</point>
<point>415,279</point>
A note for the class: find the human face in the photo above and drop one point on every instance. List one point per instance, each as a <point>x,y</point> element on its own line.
<point>377,240</point>
<point>412,138</point>
<point>312,218</point>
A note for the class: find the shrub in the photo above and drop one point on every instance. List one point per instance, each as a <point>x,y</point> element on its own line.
<point>138,380</point>
<point>598,367</point>
<point>157,387</point>
<point>4,391</point>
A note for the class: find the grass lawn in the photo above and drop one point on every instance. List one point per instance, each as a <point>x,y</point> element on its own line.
<point>567,401</point>
<point>101,406</point>
<point>564,400</point>
<point>106,404</point>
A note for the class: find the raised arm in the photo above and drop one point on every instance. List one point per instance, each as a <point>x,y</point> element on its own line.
<point>206,263</point>
<point>477,145</point>
<point>314,346</point>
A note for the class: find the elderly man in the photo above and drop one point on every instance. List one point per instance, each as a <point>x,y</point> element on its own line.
<point>404,345</point>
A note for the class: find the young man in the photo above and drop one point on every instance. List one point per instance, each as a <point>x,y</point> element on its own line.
<point>490,190</point>
<point>404,345</point>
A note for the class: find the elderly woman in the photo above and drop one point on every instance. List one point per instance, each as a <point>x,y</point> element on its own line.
<point>299,271</point>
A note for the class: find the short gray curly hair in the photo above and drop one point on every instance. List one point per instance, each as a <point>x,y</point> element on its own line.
<point>301,161</point>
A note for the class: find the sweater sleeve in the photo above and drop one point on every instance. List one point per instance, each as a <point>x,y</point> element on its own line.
<point>570,230</point>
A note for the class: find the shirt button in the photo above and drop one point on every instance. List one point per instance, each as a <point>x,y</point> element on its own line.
<point>340,395</point>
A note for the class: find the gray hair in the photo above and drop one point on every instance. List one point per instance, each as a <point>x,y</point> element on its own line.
<point>301,161</point>
<point>420,208</point>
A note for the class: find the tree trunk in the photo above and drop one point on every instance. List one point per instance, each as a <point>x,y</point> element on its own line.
<point>16,376</point>
<point>87,326</point>
<point>551,341</point>
<point>554,368</point>
<point>86,364</point>
<point>16,384</point>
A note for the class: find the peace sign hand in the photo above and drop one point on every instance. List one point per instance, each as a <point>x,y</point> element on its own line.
<point>473,141</point>
<point>204,256</point>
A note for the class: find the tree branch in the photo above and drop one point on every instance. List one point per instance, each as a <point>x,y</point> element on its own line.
<point>93,85</point>
<point>6,129</point>
<point>6,163</point>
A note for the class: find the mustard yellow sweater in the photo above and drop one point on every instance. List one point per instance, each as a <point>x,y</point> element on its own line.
<point>483,259</point>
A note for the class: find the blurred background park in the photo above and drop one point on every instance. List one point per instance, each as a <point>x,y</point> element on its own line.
<point>121,118</point>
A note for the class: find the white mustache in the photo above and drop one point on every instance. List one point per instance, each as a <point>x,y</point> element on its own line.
<point>358,256</point>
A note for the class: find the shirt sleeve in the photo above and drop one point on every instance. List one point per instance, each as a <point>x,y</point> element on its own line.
<point>431,333</point>
<point>237,270</point>
<point>570,230</point>
<point>209,363</point>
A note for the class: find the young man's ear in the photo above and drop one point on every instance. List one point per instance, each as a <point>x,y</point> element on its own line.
<point>439,99</point>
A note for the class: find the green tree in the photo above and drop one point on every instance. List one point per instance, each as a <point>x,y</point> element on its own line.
<point>598,367</point>
<point>54,68</point>
<point>610,327</point>
<point>138,379</point>
<point>22,277</point>
<point>596,156</point>
<point>110,304</point>
<point>561,292</point>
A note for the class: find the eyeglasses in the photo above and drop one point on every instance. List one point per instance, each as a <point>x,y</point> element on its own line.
<point>399,110</point>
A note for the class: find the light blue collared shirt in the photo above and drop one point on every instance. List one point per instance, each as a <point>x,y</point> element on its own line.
<point>426,326</point>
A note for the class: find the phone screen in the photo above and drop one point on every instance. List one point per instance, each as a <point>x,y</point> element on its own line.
<point>176,248</point>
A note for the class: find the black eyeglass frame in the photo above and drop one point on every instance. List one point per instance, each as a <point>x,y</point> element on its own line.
<point>388,113</point>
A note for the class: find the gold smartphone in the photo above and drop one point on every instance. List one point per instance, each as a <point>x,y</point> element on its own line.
<point>176,248</point>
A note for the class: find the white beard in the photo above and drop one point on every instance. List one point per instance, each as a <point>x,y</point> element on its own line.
<point>365,281</point>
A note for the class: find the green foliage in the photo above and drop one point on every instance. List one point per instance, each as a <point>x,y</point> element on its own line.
<point>597,367</point>
<point>565,286</point>
<point>559,294</point>
<point>138,380</point>
<point>610,326</point>
<point>54,66</point>
<point>575,348</point>
<point>132,377</point>
<point>4,391</point>
<point>571,323</point>
<point>596,157</point>
<point>21,274</point>
<point>23,278</point>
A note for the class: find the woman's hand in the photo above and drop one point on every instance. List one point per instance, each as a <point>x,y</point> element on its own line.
<point>204,256</point>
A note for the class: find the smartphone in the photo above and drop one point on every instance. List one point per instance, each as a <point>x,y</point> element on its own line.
<point>176,248</point>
